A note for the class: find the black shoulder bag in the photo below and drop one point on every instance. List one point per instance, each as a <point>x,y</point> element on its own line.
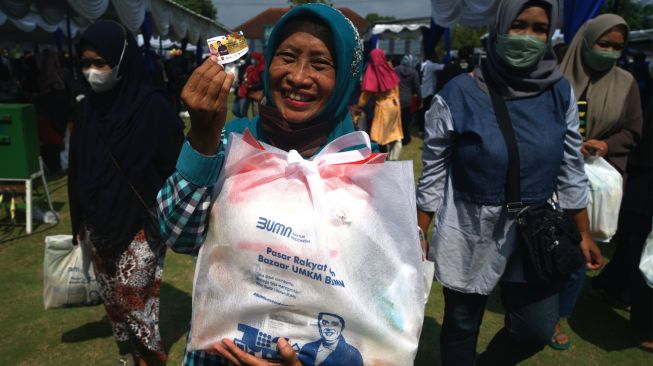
<point>549,240</point>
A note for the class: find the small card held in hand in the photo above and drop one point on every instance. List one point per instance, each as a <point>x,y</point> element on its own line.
<point>228,48</point>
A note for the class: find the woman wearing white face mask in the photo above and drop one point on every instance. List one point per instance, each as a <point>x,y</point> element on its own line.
<point>124,144</point>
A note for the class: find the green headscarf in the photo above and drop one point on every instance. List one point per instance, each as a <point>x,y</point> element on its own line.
<point>349,58</point>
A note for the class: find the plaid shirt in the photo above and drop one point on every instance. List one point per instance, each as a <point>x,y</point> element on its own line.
<point>184,204</point>
<point>183,214</point>
<point>200,358</point>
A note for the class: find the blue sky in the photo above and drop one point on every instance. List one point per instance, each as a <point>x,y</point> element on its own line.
<point>234,12</point>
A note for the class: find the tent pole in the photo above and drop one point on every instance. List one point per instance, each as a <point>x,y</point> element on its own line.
<point>70,45</point>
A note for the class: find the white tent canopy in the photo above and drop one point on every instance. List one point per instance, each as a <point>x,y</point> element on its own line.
<point>169,19</point>
<point>165,43</point>
<point>397,28</point>
<point>475,13</point>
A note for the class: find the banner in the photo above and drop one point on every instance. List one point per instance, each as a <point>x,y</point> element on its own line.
<point>578,12</point>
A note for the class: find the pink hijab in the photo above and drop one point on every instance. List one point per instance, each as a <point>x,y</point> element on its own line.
<point>379,77</point>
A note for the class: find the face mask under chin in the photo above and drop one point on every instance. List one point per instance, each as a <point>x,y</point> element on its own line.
<point>102,81</point>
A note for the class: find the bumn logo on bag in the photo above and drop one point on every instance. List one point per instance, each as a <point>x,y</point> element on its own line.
<point>275,227</point>
<point>280,229</point>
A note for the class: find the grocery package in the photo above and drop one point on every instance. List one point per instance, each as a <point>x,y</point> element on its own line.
<point>323,252</point>
<point>68,276</point>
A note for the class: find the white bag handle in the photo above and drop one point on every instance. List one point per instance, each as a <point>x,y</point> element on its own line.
<point>331,154</point>
<point>310,170</point>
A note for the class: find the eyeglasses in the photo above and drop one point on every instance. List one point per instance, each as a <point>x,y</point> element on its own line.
<point>88,62</point>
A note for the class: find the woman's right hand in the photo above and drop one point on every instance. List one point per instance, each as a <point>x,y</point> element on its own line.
<point>594,148</point>
<point>205,95</point>
<point>237,357</point>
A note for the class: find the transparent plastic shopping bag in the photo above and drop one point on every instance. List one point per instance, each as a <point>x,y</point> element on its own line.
<point>606,191</point>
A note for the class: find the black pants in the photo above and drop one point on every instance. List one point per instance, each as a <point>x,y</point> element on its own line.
<point>622,274</point>
<point>406,122</point>
<point>531,316</point>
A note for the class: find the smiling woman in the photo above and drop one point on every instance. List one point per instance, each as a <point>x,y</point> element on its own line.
<point>302,71</point>
<point>313,64</point>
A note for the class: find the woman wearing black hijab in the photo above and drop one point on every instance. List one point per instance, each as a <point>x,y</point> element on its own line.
<point>124,144</point>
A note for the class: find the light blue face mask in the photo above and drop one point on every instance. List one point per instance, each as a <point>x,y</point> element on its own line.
<point>520,51</point>
<point>599,60</point>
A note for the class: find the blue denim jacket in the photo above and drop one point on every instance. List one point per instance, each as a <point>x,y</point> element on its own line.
<point>480,157</point>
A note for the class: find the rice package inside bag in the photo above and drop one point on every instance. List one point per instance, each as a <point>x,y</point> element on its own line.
<point>323,252</point>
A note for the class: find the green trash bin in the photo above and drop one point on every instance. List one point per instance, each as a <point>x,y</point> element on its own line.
<point>19,145</point>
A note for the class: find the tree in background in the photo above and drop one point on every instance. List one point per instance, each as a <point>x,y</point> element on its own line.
<point>203,7</point>
<point>302,2</point>
<point>637,14</point>
<point>375,17</point>
<point>466,36</point>
<point>462,36</point>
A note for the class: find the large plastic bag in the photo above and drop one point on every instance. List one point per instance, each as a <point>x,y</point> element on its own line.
<point>606,190</point>
<point>68,276</point>
<point>322,252</point>
<point>646,261</point>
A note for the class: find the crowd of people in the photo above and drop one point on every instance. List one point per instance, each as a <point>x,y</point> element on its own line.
<point>53,82</point>
<point>137,186</point>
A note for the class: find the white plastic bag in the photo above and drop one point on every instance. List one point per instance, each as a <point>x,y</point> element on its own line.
<point>321,252</point>
<point>606,190</point>
<point>68,276</point>
<point>646,262</point>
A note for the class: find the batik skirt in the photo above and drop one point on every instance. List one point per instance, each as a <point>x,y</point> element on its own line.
<point>129,277</point>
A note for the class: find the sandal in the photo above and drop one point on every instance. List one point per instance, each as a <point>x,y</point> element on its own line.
<point>556,339</point>
<point>126,360</point>
<point>557,345</point>
<point>646,346</point>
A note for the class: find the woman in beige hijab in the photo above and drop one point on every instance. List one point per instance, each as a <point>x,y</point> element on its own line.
<point>612,122</point>
<point>610,115</point>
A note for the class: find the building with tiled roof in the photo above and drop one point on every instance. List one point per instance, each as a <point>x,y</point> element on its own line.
<point>258,27</point>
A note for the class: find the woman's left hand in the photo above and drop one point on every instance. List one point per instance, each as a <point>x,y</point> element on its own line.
<point>592,253</point>
<point>236,356</point>
<point>594,147</point>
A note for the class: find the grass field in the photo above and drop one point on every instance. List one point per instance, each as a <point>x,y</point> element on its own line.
<point>82,336</point>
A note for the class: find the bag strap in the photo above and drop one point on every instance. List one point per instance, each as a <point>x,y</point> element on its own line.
<point>513,183</point>
<point>138,195</point>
